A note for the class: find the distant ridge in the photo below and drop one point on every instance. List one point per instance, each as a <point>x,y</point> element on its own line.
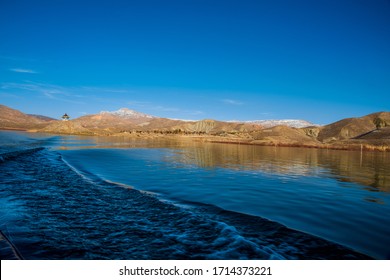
<point>14,119</point>
<point>271,123</point>
<point>44,118</point>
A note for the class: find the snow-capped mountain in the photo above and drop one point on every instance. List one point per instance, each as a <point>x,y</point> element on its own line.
<point>271,123</point>
<point>128,114</point>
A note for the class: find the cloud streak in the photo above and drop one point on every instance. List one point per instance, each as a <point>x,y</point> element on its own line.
<point>23,70</point>
<point>232,102</point>
<point>45,90</point>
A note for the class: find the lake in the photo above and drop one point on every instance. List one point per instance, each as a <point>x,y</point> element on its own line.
<point>71,197</point>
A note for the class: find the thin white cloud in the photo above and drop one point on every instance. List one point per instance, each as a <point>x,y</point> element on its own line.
<point>232,102</point>
<point>116,90</point>
<point>19,86</point>
<point>104,89</point>
<point>48,95</point>
<point>45,90</point>
<point>23,70</point>
<point>7,95</point>
<point>195,113</point>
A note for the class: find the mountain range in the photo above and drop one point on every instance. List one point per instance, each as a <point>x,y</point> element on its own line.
<point>373,129</point>
<point>272,123</point>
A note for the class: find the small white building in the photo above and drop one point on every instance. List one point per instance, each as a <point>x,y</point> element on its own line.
<point>65,117</point>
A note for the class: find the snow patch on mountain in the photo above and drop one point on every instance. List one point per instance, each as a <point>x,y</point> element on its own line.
<point>183,120</point>
<point>271,123</point>
<point>128,114</point>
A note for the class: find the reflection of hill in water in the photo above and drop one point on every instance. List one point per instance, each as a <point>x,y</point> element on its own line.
<point>371,169</point>
<point>368,168</point>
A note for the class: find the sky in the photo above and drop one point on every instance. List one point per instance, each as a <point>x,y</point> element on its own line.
<point>319,61</point>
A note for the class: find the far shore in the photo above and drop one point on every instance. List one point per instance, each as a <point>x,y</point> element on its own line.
<point>349,145</point>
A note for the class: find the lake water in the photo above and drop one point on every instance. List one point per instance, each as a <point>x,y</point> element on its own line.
<point>69,197</point>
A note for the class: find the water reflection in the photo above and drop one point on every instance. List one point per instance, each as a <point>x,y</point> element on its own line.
<point>371,169</point>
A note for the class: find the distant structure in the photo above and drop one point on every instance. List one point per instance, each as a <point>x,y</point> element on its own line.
<point>65,117</point>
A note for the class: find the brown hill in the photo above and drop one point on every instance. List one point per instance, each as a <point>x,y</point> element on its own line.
<point>106,123</point>
<point>14,119</point>
<point>91,125</point>
<point>351,127</point>
<point>161,124</point>
<point>284,135</point>
<point>114,123</point>
<point>67,127</point>
<point>380,134</point>
<point>217,127</point>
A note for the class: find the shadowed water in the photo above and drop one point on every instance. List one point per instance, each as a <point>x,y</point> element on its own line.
<point>82,198</point>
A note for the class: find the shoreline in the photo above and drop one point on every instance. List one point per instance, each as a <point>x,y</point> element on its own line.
<point>345,145</point>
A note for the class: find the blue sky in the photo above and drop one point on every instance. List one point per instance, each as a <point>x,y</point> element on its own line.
<point>226,60</point>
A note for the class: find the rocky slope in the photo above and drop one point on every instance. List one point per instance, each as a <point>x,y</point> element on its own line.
<point>352,127</point>
<point>285,135</point>
<point>217,127</point>
<point>290,123</point>
<point>14,119</point>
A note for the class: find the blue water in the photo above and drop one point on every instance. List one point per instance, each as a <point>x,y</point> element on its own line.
<point>66,197</point>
